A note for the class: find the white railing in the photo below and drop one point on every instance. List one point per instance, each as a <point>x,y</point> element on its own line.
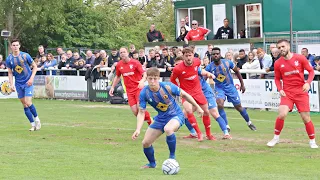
<point>248,72</point>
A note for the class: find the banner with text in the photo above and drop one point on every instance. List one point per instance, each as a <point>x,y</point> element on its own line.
<point>69,87</point>
<point>262,93</point>
<point>98,90</point>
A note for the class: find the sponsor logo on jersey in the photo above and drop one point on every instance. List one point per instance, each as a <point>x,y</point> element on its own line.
<point>291,72</point>
<point>191,77</point>
<point>131,66</point>
<point>128,74</point>
<point>296,63</point>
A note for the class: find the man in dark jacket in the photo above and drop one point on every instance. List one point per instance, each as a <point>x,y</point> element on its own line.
<point>114,57</point>
<point>153,35</point>
<point>224,32</point>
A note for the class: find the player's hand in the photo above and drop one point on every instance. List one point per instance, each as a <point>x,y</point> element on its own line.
<point>306,87</point>
<point>111,91</point>
<point>13,88</point>
<point>242,88</point>
<point>268,70</point>
<point>30,82</point>
<point>200,112</point>
<point>210,75</point>
<point>135,135</point>
<point>141,84</point>
<point>282,93</point>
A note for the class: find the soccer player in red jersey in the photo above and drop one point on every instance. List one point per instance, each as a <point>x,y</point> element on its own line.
<point>294,90</point>
<point>134,78</point>
<point>187,74</point>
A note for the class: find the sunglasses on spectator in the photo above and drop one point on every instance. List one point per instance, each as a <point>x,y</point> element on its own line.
<point>215,53</point>
<point>194,24</point>
<point>157,56</point>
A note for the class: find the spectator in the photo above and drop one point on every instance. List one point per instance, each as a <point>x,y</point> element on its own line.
<point>265,61</point>
<point>2,66</point>
<point>228,56</point>
<point>254,51</point>
<point>60,52</point>
<point>205,62</point>
<point>178,52</point>
<point>196,33</point>
<point>157,49</point>
<point>224,32</point>
<point>89,58</point>
<point>92,72</point>
<point>317,63</point>
<point>132,48</point>
<point>114,57</point>
<point>50,63</point>
<point>243,58</point>
<point>193,47</point>
<point>252,63</point>
<point>76,57</point>
<point>143,59</point>
<point>151,59</point>
<point>135,55</point>
<point>183,33</point>
<point>209,51</point>
<point>187,20</point>
<point>156,61</point>
<point>40,52</point>
<point>275,56</point>
<point>183,24</point>
<point>153,35</point>
<point>305,52</point>
<point>167,58</point>
<point>67,61</point>
<point>271,46</point>
<point>242,34</point>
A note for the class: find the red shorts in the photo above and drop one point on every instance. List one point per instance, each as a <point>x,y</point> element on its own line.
<point>199,98</point>
<point>133,97</point>
<point>301,101</point>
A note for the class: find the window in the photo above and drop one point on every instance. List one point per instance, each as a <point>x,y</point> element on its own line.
<point>247,17</point>
<point>196,13</point>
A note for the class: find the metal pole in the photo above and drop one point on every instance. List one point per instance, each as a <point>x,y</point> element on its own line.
<point>291,33</point>
<point>6,47</point>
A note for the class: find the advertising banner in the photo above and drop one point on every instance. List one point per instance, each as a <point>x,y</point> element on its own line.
<point>98,90</point>
<point>69,87</point>
<point>262,93</point>
<point>5,90</point>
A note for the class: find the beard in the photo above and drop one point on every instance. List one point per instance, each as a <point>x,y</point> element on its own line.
<point>216,59</point>
<point>284,53</point>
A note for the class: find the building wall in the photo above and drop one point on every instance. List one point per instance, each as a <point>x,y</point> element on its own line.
<point>276,13</point>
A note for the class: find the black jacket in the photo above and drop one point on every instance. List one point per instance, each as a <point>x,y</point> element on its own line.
<point>181,37</point>
<point>154,35</point>
<point>224,33</point>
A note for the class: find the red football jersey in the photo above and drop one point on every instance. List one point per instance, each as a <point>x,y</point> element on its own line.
<point>196,34</point>
<point>188,77</point>
<point>131,72</point>
<point>292,73</point>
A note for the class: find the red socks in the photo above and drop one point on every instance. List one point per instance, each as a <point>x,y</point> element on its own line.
<point>278,126</point>
<point>147,118</point>
<point>310,129</point>
<point>207,124</point>
<point>193,122</point>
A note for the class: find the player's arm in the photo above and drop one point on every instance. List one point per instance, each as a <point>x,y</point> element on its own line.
<point>187,38</point>
<point>277,79</point>
<point>237,73</point>
<point>189,98</point>
<point>309,68</point>
<point>10,76</point>
<point>34,72</point>
<point>141,114</point>
<point>207,74</point>
<point>174,76</point>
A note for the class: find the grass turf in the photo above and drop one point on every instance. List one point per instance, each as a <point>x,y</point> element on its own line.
<point>86,140</point>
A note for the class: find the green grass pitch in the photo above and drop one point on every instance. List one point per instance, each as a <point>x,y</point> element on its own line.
<point>86,140</point>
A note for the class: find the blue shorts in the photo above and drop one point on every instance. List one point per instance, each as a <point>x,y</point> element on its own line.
<point>232,95</point>
<point>161,124</point>
<point>24,91</point>
<point>211,102</point>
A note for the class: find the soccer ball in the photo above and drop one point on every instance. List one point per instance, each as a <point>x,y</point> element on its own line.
<point>170,167</point>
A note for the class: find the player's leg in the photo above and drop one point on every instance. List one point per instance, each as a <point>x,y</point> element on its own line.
<point>134,105</point>
<point>171,127</point>
<point>193,121</point>
<point>285,106</point>
<point>206,121</point>
<point>220,98</point>
<point>21,95</point>
<point>193,133</point>
<point>234,98</point>
<point>150,136</point>
<point>303,107</point>
<point>28,101</point>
